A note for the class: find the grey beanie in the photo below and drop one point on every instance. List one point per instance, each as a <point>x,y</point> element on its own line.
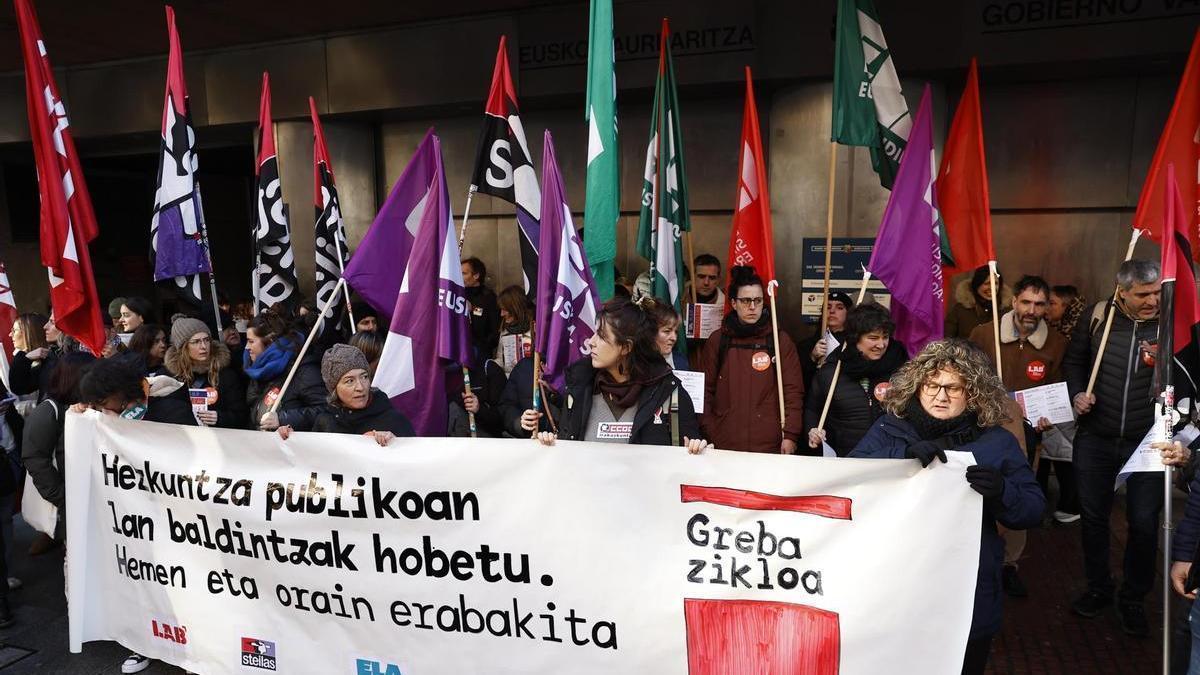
<point>184,328</point>
<point>339,360</point>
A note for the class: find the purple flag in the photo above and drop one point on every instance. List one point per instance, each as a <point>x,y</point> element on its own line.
<point>907,255</point>
<point>566,292</point>
<point>429,325</point>
<point>377,267</point>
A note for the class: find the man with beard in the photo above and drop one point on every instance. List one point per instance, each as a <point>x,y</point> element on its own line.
<point>1031,355</point>
<point>741,397</point>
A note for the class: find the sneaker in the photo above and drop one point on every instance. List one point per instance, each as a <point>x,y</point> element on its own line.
<point>135,663</point>
<point>1012,582</point>
<point>14,583</point>
<point>1133,619</point>
<point>1065,517</point>
<point>1090,604</point>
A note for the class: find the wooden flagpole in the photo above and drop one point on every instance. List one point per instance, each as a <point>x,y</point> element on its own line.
<point>992,276</point>
<point>828,236</point>
<point>307,341</point>
<point>1112,308</point>
<point>837,369</point>
<point>462,236</point>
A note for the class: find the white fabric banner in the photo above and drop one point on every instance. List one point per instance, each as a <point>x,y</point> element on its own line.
<point>235,552</point>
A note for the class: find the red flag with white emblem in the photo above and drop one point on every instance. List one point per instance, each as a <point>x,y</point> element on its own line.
<point>752,241</point>
<point>68,223</point>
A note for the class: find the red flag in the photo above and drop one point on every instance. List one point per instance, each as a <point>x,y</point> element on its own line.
<point>1177,264</point>
<point>751,241</point>
<point>962,187</point>
<point>8,314</point>
<point>1178,145</point>
<point>68,223</point>
<point>266,127</point>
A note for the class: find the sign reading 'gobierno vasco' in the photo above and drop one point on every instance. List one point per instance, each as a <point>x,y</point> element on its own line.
<point>235,552</point>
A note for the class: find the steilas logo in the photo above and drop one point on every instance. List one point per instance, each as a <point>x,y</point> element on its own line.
<point>258,653</point>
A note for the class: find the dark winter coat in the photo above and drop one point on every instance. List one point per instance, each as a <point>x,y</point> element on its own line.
<point>856,400</point>
<point>1019,507</point>
<point>304,399</point>
<point>26,377</point>
<point>1124,388</point>
<point>741,401</point>
<point>379,415</point>
<point>805,347</point>
<point>651,425</point>
<point>487,383</point>
<point>42,451</point>
<point>967,312</point>
<point>518,397</point>
<point>230,406</point>
<point>485,321</point>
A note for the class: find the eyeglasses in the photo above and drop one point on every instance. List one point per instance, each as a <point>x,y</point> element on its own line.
<point>199,342</point>
<point>933,390</point>
<point>749,302</point>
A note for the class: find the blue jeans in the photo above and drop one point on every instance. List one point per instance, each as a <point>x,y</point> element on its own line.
<point>1097,462</point>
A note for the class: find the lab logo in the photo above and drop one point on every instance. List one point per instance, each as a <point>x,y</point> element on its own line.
<point>168,632</point>
<point>760,361</point>
<point>372,667</point>
<point>258,653</point>
<point>881,390</point>
<point>1035,371</point>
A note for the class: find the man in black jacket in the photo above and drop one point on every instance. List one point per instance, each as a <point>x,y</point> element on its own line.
<point>1112,420</point>
<point>485,310</point>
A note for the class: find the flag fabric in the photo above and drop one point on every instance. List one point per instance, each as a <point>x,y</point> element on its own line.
<point>567,298</point>
<point>752,242</point>
<point>664,215</point>
<point>1178,145</point>
<point>275,271</point>
<point>503,165</point>
<point>330,235</point>
<point>429,328</point>
<point>962,188</point>
<point>68,223</point>
<point>1179,308</point>
<point>376,270</point>
<point>908,235</point>
<point>8,317</point>
<point>868,107</point>
<point>602,204</point>
<point>178,244</point>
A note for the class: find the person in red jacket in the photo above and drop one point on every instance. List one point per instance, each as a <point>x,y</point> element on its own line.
<point>741,395</point>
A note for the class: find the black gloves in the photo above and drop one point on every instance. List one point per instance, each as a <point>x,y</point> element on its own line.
<point>986,481</point>
<point>925,451</point>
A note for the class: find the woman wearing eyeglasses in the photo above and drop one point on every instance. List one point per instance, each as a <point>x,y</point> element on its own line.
<point>948,399</point>
<point>741,396</point>
<point>203,364</point>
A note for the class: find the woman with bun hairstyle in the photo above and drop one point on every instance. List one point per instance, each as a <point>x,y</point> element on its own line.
<point>626,392</point>
<point>741,394</point>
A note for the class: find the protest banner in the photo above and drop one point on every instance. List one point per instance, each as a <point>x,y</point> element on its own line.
<point>226,551</point>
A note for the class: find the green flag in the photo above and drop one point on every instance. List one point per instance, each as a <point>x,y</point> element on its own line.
<point>868,106</point>
<point>664,193</point>
<point>603,199</point>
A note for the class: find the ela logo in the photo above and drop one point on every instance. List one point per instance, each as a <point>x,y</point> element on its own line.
<point>165,631</point>
<point>369,667</point>
<point>258,653</point>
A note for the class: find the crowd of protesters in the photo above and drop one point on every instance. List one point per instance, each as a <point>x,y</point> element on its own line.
<point>854,391</point>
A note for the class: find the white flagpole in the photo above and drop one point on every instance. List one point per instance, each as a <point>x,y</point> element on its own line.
<point>308,341</point>
<point>212,280</point>
<point>337,243</point>
<point>462,237</point>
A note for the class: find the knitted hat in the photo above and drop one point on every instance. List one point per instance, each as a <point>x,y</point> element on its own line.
<point>339,360</point>
<point>839,296</point>
<point>114,307</point>
<point>184,328</point>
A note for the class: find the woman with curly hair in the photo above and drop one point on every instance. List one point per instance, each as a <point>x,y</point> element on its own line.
<point>948,398</point>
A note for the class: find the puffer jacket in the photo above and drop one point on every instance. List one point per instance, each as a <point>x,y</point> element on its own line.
<point>379,415</point>
<point>230,404</point>
<point>1019,507</point>
<point>42,451</point>
<point>651,423</point>
<point>741,401</point>
<point>1124,392</point>
<point>856,401</point>
<point>304,399</point>
<point>966,313</point>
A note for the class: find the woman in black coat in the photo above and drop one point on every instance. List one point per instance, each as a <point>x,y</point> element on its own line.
<point>868,358</point>
<point>626,392</point>
<point>203,364</point>
<point>271,349</point>
<point>354,406</point>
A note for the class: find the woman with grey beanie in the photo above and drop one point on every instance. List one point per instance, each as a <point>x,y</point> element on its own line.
<point>203,364</point>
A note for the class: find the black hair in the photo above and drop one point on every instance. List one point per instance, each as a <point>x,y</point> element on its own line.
<point>64,381</point>
<point>1065,291</point>
<point>141,307</point>
<point>143,339</point>
<point>660,312</point>
<point>1034,282</point>
<point>477,267</point>
<point>370,343</point>
<point>868,318</point>
<point>741,276</point>
<point>630,324</point>
<point>112,377</point>
<point>707,259</point>
<point>269,326</point>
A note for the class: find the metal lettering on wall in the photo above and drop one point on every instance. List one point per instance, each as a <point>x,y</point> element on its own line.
<point>1007,16</point>
<point>644,45</point>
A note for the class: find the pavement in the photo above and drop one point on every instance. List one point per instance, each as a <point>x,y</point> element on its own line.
<point>1040,635</point>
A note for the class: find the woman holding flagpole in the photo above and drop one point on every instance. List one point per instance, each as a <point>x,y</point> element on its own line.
<point>626,392</point>
<point>271,349</point>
